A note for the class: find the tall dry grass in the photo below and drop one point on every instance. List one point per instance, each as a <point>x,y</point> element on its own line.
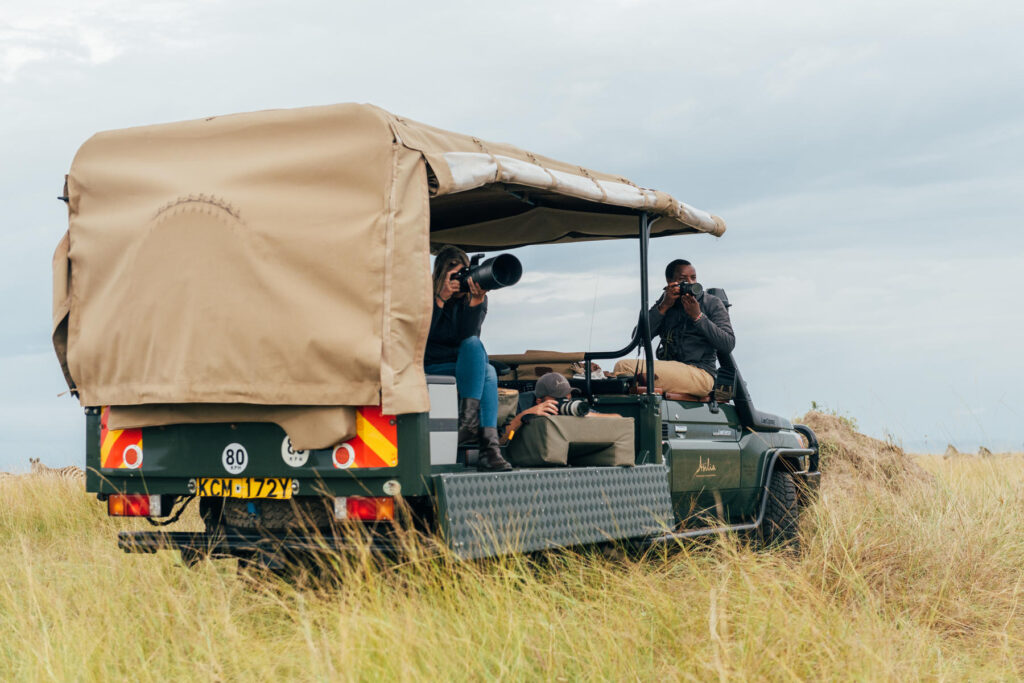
<point>898,576</point>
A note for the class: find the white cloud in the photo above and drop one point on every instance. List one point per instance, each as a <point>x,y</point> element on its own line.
<point>14,56</point>
<point>65,33</point>
<point>791,76</point>
<point>99,45</point>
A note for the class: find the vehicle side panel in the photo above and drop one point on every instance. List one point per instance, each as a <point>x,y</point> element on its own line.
<point>646,413</point>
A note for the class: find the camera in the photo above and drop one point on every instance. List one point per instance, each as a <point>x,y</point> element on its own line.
<point>503,270</point>
<point>572,407</point>
<point>693,288</point>
<point>576,407</point>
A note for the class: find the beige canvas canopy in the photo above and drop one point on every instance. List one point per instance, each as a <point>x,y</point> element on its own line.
<point>274,266</point>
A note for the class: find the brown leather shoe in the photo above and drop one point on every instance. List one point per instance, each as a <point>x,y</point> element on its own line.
<point>490,459</point>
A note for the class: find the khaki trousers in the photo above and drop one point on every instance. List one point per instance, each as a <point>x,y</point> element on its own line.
<point>670,375</point>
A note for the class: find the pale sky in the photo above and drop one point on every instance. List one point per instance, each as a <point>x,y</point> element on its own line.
<point>866,156</point>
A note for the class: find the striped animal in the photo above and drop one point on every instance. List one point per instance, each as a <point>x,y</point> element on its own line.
<point>69,472</point>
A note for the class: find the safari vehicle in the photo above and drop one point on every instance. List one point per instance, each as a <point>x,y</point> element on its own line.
<point>241,304</point>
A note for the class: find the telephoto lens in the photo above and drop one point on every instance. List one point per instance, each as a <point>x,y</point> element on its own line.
<point>576,407</point>
<point>503,270</point>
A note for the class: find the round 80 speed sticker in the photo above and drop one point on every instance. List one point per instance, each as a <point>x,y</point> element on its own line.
<point>234,458</point>
<point>292,457</point>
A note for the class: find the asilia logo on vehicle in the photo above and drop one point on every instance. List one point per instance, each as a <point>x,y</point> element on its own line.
<point>705,468</point>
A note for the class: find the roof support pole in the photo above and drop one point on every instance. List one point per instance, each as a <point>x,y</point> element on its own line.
<point>645,319</point>
<point>642,332</point>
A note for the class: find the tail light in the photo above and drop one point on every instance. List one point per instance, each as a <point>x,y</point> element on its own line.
<point>364,508</point>
<point>133,505</point>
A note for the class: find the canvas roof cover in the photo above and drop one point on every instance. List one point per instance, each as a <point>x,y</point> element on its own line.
<point>276,264</point>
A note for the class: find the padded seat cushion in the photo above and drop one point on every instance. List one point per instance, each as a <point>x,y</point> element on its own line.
<point>508,405</point>
<point>553,440</point>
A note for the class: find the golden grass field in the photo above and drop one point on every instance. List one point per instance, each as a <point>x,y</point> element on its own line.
<point>909,567</point>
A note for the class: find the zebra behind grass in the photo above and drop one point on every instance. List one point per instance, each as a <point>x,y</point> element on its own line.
<point>69,472</point>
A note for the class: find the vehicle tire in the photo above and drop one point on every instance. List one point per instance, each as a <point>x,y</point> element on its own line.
<point>782,513</point>
<point>308,512</point>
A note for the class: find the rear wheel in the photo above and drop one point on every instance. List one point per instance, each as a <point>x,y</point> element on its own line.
<point>782,513</point>
<point>307,516</point>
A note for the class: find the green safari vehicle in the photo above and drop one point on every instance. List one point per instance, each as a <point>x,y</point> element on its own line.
<point>241,305</point>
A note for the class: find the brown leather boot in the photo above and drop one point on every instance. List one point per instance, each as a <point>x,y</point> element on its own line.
<point>490,452</point>
<point>469,421</point>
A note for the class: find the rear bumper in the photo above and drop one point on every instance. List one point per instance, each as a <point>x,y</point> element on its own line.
<point>479,514</point>
<point>236,543</point>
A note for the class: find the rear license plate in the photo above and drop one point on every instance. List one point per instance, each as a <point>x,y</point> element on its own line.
<point>223,487</point>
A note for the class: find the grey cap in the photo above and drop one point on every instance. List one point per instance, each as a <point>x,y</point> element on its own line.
<point>552,384</point>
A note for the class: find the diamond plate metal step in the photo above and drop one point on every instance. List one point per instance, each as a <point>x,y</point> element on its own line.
<point>485,514</point>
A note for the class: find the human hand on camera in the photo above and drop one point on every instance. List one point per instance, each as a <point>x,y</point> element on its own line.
<point>691,306</point>
<point>450,287</point>
<point>547,407</point>
<point>670,298</point>
<point>476,293</point>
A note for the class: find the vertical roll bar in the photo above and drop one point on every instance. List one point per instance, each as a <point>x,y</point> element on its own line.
<point>645,318</point>
<point>642,333</point>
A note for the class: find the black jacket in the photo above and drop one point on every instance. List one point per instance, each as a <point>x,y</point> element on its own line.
<point>449,326</point>
<point>694,343</point>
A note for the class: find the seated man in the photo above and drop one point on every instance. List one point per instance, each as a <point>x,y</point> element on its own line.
<point>692,330</point>
<point>547,392</point>
<point>565,439</point>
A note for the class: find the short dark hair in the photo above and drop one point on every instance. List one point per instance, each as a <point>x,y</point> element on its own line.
<point>671,267</point>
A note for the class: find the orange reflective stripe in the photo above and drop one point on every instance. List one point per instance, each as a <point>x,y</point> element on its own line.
<point>385,424</point>
<point>376,441</point>
<point>107,448</point>
<point>107,445</point>
<point>114,441</point>
<point>381,446</point>
<point>365,456</point>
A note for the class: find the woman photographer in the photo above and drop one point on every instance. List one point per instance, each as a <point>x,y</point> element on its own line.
<point>454,347</point>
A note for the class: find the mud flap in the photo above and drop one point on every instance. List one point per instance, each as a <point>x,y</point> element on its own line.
<point>485,514</point>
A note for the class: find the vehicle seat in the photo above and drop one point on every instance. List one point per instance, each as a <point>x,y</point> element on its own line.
<point>563,440</point>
